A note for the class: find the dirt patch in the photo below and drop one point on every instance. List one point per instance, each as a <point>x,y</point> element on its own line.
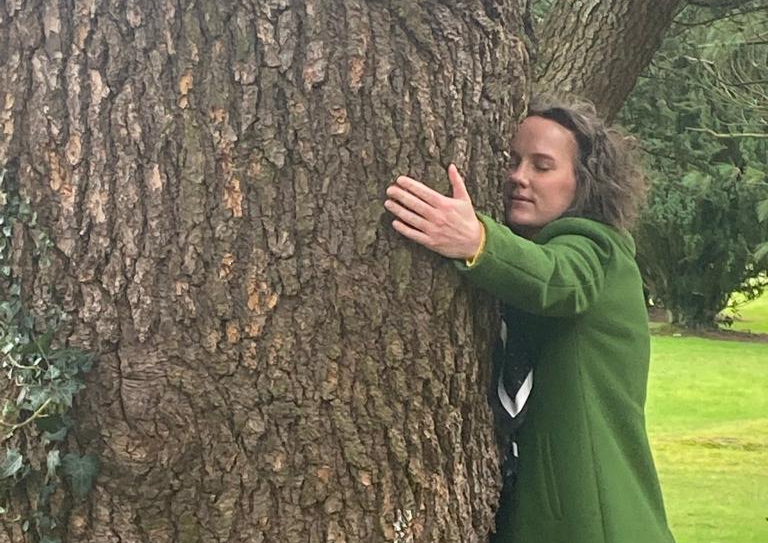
<point>660,327</point>
<point>726,443</point>
<point>720,334</point>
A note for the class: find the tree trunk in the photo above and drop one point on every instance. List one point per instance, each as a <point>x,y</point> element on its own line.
<point>597,49</point>
<point>274,363</point>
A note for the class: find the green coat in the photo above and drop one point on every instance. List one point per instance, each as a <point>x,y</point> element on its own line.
<point>586,474</point>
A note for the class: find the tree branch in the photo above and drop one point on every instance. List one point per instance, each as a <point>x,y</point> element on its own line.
<point>722,4</point>
<point>673,159</point>
<point>727,136</point>
<point>723,17</point>
<point>36,415</point>
<point>598,49</point>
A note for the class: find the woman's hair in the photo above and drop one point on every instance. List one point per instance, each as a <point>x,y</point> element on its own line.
<point>610,185</point>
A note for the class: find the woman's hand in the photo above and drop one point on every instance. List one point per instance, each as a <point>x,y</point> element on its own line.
<point>446,225</point>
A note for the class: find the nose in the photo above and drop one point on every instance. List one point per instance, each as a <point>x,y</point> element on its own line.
<point>517,176</point>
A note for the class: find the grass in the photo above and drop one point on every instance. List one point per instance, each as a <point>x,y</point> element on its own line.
<point>708,425</point>
<point>752,316</point>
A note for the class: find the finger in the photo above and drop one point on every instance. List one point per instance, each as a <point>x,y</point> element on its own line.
<point>457,184</point>
<point>405,215</point>
<point>411,201</point>
<point>411,233</point>
<point>418,188</point>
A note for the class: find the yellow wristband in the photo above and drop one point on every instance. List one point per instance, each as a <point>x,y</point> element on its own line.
<point>472,261</point>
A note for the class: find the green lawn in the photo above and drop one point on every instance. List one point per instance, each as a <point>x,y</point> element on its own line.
<point>708,424</point>
<point>753,316</point>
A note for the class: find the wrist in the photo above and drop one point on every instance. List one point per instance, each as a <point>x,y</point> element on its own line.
<point>479,247</point>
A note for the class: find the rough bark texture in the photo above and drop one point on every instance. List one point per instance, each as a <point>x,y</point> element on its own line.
<point>275,364</point>
<point>597,48</point>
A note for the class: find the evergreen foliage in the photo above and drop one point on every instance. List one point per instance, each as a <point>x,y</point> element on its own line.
<point>701,112</point>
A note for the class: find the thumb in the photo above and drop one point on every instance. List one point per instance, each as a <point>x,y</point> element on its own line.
<point>457,184</point>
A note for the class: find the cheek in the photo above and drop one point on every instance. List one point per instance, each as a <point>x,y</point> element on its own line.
<point>571,191</point>
<point>568,191</point>
<point>559,194</point>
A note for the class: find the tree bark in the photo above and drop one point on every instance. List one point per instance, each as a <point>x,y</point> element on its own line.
<point>274,363</point>
<point>597,49</point>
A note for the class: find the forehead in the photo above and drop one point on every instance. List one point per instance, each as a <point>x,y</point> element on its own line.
<point>537,135</point>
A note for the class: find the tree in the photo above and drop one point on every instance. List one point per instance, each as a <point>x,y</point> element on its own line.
<point>273,362</point>
<point>700,112</point>
<point>696,244</point>
<point>597,49</point>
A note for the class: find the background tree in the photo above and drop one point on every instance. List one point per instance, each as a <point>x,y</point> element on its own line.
<point>700,111</point>
<point>274,363</point>
<point>597,49</point>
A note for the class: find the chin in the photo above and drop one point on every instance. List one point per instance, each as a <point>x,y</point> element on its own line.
<point>514,220</point>
<point>520,226</point>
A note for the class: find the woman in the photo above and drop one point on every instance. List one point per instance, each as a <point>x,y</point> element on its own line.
<point>564,269</point>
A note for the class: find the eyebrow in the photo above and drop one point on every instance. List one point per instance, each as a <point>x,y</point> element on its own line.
<point>535,156</point>
<point>543,156</point>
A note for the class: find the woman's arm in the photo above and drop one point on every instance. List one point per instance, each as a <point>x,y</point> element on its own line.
<point>561,277</point>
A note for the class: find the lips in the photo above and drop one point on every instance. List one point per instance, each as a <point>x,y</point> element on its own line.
<point>518,198</point>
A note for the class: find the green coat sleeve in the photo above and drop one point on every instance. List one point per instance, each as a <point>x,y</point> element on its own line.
<point>559,274</point>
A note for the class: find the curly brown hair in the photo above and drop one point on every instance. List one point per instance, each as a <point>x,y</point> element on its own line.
<point>610,185</point>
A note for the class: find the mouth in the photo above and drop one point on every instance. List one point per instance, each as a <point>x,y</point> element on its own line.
<point>518,198</point>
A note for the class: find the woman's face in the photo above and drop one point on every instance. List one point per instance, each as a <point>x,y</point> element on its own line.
<point>542,181</point>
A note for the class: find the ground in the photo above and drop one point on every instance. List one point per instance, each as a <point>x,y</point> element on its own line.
<point>708,424</point>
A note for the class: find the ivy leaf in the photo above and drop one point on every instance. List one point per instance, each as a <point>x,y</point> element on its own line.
<point>58,435</point>
<point>34,397</point>
<point>71,361</point>
<point>27,349</point>
<point>53,462</point>
<point>44,496</point>
<point>8,309</point>
<point>22,394</point>
<point>51,423</point>
<point>63,392</point>
<point>12,463</point>
<point>43,343</point>
<point>54,427</point>
<point>8,347</point>
<point>81,472</point>
<point>9,412</point>
<point>52,373</point>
